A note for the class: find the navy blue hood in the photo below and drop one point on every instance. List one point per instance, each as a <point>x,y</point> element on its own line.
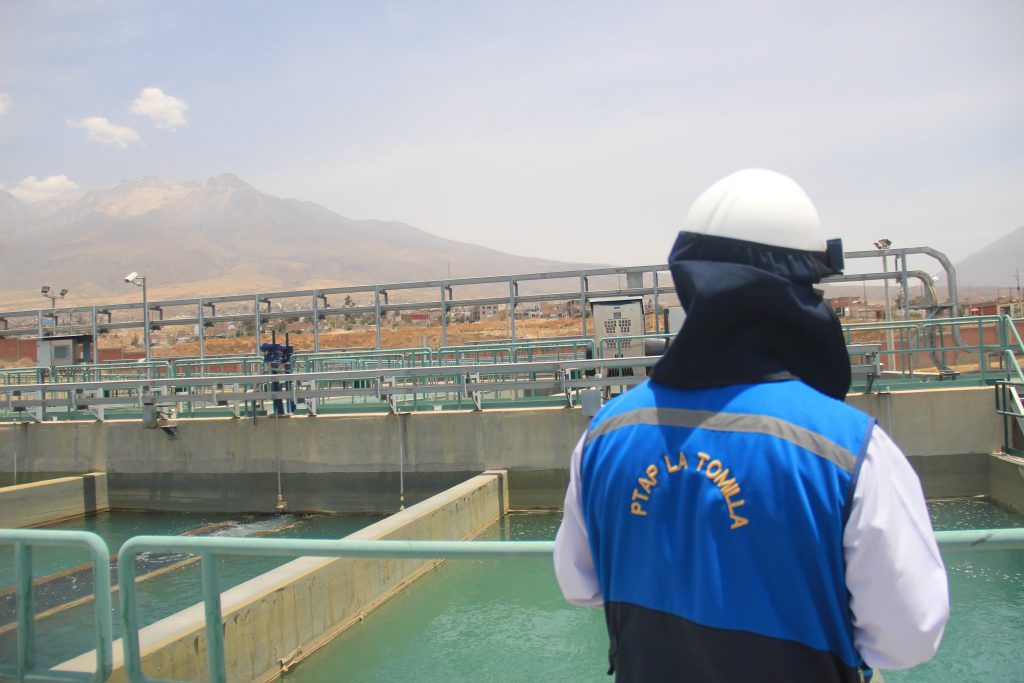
<point>752,315</point>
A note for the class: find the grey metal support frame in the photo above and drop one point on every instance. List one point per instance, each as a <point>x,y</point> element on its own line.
<point>146,328</point>
<point>316,322</point>
<point>95,337</point>
<point>201,329</point>
<point>657,315</point>
<point>444,314</point>
<point>583,305</point>
<point>203,311</point>
<point>377,294</point>
<point>513,292</point>
<point>943,260</point>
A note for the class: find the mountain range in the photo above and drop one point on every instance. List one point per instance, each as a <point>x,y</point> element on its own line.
<point>222,236</point>
<point>1000,263</point>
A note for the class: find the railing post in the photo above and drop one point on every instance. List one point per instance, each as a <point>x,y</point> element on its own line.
<point>444,316</point>
<point>657,315</point>
<point>26,609</point>
<point>377,313</point>
<point>583,305</point>
<point>214,619</point>
<point>95,338</point>
<point>129,615</point>
<point>316,321</point>
<point>201,332</point>
<point>256,323</point>
<point>512,292</point>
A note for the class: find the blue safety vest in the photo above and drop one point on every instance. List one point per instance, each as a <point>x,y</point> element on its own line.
<point>715,518</point>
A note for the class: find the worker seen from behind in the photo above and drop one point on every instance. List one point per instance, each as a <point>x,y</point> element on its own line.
<point>735,518</point>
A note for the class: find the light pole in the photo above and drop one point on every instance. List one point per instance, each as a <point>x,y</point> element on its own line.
<point>140,281</point>
<point>883,246</point>
<point>47,291</point>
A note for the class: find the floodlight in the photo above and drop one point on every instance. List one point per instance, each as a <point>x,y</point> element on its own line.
<point>63,292</point>
<point>45,289</point>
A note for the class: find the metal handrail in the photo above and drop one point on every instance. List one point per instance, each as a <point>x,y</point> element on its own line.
<point>150,369</point>
<point>514,348</point>
<point>505,368</point>
<point>23,541</point>
<point>209,548</point>
<point>37,373</point>
<point>383,384</point>
<point>1009,404</point>
<point>184,367</point>
<point>1011,324</point>
<point>365,381</point>
<point>1013,369</point>
<point>413,354</point>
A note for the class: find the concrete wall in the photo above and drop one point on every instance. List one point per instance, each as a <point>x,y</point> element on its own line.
<point>290,611</point>
<point>948,434</point>
<point>347,463</point>
<point>1006,481</point>
<point>45,502</point>
<point>351,462</point>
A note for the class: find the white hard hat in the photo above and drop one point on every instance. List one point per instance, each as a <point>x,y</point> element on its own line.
<point>756,205</point>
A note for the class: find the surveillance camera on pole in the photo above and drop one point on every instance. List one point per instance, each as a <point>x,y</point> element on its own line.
<point>134,278</point>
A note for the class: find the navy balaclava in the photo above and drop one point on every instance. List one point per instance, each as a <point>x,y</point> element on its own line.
<point>744,267</point>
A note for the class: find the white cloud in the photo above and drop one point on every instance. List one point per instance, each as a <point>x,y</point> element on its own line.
<point>165,110</point>
<point>102,130</point>
<point>31,189</point>
<point>5,101</point>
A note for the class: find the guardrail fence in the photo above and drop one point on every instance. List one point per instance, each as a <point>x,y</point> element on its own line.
<point>209,548</point>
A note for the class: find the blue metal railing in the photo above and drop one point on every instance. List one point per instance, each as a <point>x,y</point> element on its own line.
<point>24,540</point>
<point>209,548</point>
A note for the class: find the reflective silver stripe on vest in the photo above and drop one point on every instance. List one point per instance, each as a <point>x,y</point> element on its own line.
<point>731,422</point>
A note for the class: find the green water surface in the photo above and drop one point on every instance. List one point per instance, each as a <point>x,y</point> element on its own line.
<point>492,620</point>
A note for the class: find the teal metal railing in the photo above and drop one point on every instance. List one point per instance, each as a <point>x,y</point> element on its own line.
<point>941,341</point>
<point>23,541</point>
<point>1010,407</point>
<point>523,351</point>
<point>217,365</point>
<point>34,375</point>
<point>119,370</point>
<point>363,360</point>
<point>973,350</point>
<point>209,549</point>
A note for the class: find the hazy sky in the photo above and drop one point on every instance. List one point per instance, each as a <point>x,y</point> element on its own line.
<point>571,130</point>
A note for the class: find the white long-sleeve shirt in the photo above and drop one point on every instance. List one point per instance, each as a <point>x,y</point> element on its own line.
<point>899,595</point>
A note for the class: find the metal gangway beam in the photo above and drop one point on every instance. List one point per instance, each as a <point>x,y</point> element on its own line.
<point>644,280</point>
<point>388,386</point>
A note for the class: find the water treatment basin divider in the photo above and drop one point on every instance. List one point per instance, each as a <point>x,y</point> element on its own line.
<point>210,548</point>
